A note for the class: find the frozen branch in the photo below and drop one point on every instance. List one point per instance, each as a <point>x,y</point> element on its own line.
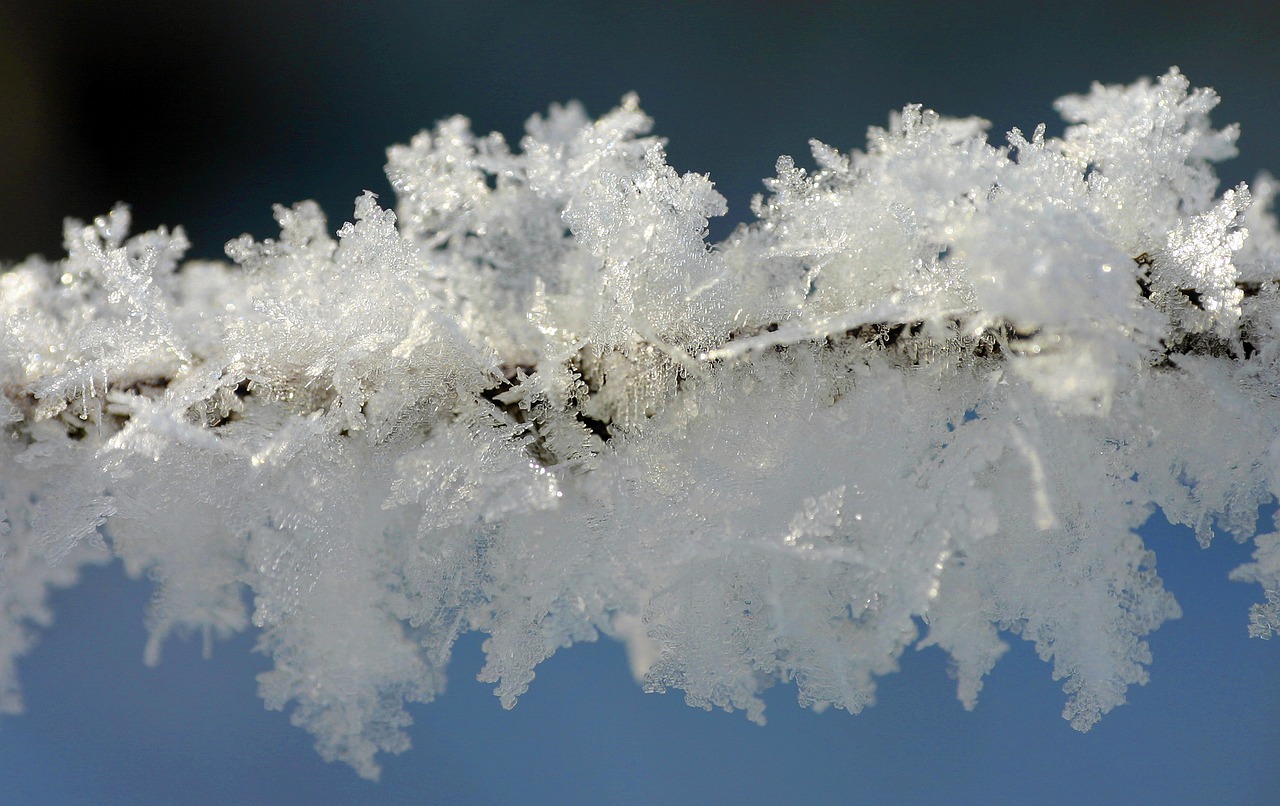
<point>926,398</point>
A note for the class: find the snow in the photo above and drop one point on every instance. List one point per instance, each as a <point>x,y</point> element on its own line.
<point>926,398</point>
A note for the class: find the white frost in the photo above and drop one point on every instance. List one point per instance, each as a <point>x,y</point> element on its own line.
<point>939,383</point>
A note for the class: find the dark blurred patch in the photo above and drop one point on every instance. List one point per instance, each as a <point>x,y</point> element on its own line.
<point>204,113</point>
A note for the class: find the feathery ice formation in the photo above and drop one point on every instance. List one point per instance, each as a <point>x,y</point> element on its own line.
<point>926,398</point>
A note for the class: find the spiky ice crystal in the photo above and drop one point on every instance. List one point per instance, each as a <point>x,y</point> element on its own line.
<point>925,398</point>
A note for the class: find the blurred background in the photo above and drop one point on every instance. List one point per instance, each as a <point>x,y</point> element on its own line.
<point>205,113</point>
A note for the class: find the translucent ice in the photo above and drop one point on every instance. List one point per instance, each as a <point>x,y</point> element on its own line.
<point>939,382</point>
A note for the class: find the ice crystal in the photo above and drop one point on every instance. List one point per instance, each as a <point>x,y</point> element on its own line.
<point>924,399</point>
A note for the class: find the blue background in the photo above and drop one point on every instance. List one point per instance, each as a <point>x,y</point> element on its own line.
<point>206,114</point>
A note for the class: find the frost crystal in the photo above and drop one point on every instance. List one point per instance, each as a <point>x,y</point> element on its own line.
<point>926,398</point>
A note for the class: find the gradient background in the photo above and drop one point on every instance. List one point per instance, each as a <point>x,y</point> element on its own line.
<point>205,113</point>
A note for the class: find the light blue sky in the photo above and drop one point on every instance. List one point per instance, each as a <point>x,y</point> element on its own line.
<point>102,728</point>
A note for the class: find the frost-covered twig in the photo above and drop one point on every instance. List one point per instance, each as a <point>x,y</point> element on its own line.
<point>939,381</point>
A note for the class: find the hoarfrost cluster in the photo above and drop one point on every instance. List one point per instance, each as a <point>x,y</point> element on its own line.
<point>924,399</point>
